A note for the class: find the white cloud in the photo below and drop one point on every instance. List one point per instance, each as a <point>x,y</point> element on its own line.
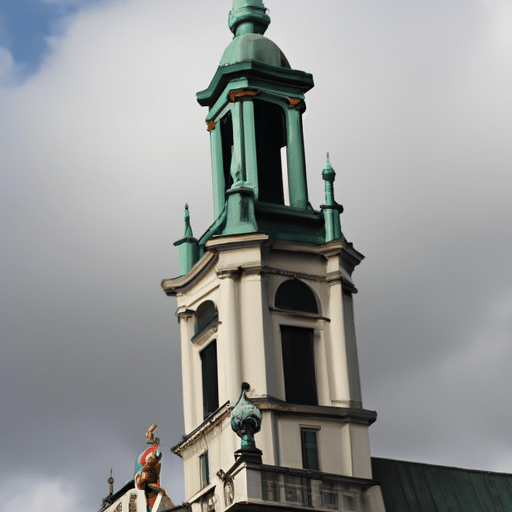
<point>10,71</point>
<point>41,494</point>
<point>500,15</point>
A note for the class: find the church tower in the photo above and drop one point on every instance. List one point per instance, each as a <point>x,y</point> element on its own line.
<point>265,296</point>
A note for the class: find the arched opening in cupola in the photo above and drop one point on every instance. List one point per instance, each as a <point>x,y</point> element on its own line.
<point>270,129</point>
<point>226,133</point>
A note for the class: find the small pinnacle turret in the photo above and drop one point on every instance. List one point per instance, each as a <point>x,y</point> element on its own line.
<point>188,227</point>
<point>331,208</point>
<point>187,246</point>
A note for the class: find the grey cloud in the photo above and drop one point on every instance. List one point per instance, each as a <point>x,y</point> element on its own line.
<point>103,148</point>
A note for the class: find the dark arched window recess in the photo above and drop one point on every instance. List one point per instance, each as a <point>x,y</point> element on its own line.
<point>226,133</point>
<point>206,314</point>
<point>294,295</point>
<point>270,127</point>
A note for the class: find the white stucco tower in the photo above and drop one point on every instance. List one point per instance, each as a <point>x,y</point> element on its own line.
<point>265,296</point>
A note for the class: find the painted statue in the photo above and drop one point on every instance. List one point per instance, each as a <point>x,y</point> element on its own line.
<point>147,472</point>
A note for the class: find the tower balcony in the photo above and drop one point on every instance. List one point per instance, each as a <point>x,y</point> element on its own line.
<point>251,486</point>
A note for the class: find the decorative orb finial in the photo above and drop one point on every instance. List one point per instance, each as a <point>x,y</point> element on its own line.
<point>328,173</point>
<point>111,483</point>
<point>246,420</point>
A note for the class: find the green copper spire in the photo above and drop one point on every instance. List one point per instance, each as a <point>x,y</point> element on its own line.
<point>248,17</point>
<point>255,104</point>
<point>188,227</point>
<point>331,208</point>
<point>188,247</point>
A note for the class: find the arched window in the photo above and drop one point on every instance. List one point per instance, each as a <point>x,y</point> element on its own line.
<point>205,315</point>
<point>297,344</point>
<point>294,295</point>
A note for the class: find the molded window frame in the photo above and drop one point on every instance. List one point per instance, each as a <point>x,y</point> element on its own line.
<point>204,470</point>
<point>301,320</point>
<point>310,450</point>
<point>209,381</point>
<point>299,365</point>
<point>203,332</point>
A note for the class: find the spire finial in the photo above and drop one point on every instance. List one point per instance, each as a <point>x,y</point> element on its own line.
<point>188,227</point>
<point>328,173</point>
<point>111,483</point>
<point>248,17</point>
<point>246,421</point>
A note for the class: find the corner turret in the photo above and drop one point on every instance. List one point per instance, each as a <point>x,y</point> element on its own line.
<point>187,246</point>
<point>331,208</point>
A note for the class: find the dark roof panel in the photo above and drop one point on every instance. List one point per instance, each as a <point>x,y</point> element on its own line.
<point>416,487</point>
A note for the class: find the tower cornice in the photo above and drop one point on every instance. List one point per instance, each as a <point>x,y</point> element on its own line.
<point>253,69</point>
<point>180,284</point>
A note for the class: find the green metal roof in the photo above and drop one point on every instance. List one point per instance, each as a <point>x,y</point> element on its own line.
<point>253,47</point>
<point>416,487</point>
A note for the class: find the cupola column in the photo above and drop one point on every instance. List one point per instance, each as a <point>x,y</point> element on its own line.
<point>296,162</point>
<point>237,168</point>
<point>219,185</point>
<point>250,146</point>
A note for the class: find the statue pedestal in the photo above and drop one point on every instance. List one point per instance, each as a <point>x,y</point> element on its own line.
<point>252,455</point>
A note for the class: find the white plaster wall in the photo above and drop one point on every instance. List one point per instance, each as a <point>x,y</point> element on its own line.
<point>289,441</point>
<point>249,349</point>
<point>330,447</point>
<point>361,451</point>
<point>267,440</point>
<point>221,443</point>
<point>291,261</point>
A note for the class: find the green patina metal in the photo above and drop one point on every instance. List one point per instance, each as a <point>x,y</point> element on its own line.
<point>253,73</point>
<point>331,208</point>
<point>255,104</point>
<point>246,420</point>
<point>248,16</point>
<point>188,226</point>
<point>188,247</point>
<point>256,68</point>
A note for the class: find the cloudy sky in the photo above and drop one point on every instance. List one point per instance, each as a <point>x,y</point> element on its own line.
<point>101,144</point>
